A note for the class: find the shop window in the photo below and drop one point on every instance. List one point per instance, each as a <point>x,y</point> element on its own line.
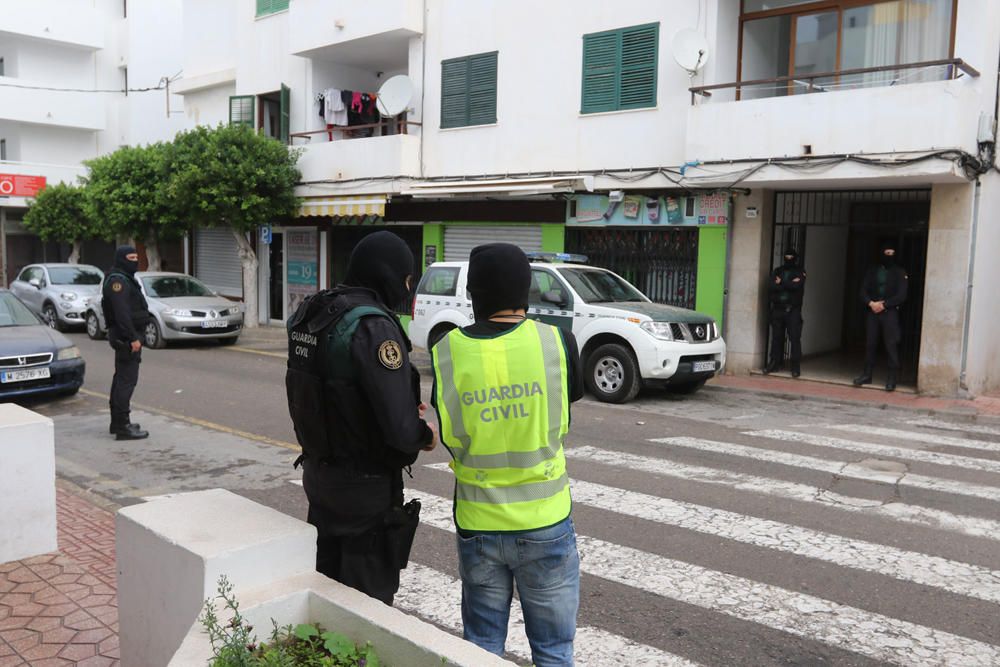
<point>619,69</point>
<point>439,281</point>
<point>469,91</point>
<point>265,7</point>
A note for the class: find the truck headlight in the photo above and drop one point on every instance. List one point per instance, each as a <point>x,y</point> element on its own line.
<point>68,353</point>
<point>659,330</point>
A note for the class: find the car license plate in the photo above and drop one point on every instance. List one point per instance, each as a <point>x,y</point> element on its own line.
<point>702,366</point>
<point>23,376</point>
<point>214,324</point>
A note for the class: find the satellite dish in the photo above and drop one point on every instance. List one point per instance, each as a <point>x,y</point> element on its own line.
<point>394,96</point>
<point>690,50</point>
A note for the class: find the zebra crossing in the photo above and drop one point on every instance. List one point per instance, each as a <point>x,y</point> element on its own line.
<point>941,504</point>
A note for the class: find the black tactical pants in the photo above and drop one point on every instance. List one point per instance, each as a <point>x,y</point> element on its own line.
<point>347,508</point>
<point>886,322</point>
<point>123,384</point>
<point>786,320</point>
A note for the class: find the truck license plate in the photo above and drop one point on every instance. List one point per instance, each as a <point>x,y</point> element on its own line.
<point>23,376</point>
<point>702,366</point>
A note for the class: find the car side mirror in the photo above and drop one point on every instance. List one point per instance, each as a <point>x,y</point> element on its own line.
<point>36,283</point>
<point>555,297</point>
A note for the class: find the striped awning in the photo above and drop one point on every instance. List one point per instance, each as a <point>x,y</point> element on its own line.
<point>364,205</point>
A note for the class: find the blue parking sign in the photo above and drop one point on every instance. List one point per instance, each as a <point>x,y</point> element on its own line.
<point>265,234</point>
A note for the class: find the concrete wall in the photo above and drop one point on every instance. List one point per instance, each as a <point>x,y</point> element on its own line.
<point>823,301</point>
<point>948,240</point>
<point>27,484</point>
<point>983,362</point>
<point>746,314</point>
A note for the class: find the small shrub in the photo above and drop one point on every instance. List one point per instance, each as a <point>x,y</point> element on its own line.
<point>235,645</point>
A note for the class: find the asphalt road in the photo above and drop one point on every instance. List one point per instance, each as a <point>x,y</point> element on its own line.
<point>723,528</point>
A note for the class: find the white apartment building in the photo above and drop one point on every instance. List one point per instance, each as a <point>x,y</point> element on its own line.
<point>54,57</point>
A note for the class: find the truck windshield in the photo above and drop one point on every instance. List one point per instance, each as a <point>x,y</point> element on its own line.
<point>597,286</point>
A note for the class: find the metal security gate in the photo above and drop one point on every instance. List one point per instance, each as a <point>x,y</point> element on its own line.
<point>217,261</point>
<point>459,240</point>
<point>662,263</point>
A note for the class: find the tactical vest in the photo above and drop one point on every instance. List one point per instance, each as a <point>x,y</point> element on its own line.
<point>137,302</point>
<point>503,405</point>
<point>319,354</point>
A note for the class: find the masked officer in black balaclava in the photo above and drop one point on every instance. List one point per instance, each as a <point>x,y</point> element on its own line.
<point>883,292</point>
<point>126,314</point>
<point>786,287</point>
<point>355,403</point>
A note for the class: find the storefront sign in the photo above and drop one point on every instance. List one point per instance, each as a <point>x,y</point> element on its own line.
<point>301,266</point>
<point>635,211</point>
<point>18,185</point>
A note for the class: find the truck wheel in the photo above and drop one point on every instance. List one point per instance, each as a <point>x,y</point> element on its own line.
<point>437,333</point>
<point>685,388</point>
<point>612,374</point>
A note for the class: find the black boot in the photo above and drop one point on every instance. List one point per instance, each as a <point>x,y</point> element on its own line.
<point>864,378</point>
<point>118,425</point>
<point>771,367</point>
<point>130,432</point>
<point>890,384</point>
<point>796,371</point>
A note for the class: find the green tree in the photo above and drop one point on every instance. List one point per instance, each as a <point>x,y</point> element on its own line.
<point>126,191</point>
<point>59,213</point>
<point>231,176</point>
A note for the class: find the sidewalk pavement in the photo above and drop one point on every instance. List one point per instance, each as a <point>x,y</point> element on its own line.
<point>61,608</point>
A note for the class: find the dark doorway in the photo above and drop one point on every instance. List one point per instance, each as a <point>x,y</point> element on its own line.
<point>276,273</point>
<point>343,238</point>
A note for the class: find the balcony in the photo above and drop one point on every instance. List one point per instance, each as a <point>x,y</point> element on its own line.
<point>80,111</point>
<point>816,117</point>
<point>368,157</point>
<point>70,23</point>
<point>348,32</point>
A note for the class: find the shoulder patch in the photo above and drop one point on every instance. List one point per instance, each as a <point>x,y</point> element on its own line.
<point>116,286</point>
<point>390,355</point>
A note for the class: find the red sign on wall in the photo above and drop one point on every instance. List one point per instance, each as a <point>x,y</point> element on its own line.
<point>18,185</point>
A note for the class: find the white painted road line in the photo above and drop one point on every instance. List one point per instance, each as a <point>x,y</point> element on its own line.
<point>437,597</point>
<point>840,468</point>
<point>922,455</point>
<point>875,635</point>
<point>921,516</point>
<point>914,436</point>
<point>949,426</point>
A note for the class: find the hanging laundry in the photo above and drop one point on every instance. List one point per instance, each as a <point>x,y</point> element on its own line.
<point>336,112</point>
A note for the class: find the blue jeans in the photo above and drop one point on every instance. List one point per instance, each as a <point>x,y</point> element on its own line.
<point>546,567</point>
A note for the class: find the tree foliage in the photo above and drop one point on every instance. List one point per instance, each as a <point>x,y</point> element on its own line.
<point>59,213</point>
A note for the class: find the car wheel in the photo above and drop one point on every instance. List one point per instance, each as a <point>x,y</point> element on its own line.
<point>228,341</point>
<point>51,317</point>
<point>437,333</point>
<point>152,337</point>
<point>93,326</point>
<point>685,387</point>
<point>612,374</point>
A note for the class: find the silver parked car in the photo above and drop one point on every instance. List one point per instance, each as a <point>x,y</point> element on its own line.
<point>58,292</point>
<point>183,308</point>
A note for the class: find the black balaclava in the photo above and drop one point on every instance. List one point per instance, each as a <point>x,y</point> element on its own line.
<point>499,279</point>
<point>886,260</point>
<point>124,264</point>
<point>794,261</point>
<point>381,262</point>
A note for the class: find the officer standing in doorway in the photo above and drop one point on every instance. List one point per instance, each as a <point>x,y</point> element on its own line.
<point>502,389</point>
<point>126,314</point>
<point>786,288</point>
<point>883,292</point>
<point>355,403</point>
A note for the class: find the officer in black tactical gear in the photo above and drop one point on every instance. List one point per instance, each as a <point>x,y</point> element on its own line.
<point>785,291</point>
<point>126,314</point>
<point>883,292</point>
<point>355,403</point>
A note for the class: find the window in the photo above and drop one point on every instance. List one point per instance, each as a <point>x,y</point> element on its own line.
<point>265,7</point>
<point>619,69</point>
<point>1,67</point>
<point>439,281</point>
<point>543,282</point>
<point>469,91</point>
<point>3,150</point>
<point>70,275</point>
<point>241,110</point>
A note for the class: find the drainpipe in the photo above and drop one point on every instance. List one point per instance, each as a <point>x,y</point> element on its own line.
<point>3,246</point>
<point>962,383</point>
<point>729,261</point>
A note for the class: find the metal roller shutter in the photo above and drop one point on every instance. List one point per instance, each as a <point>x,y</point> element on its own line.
<point>459,240</point>
<point>217,261</point>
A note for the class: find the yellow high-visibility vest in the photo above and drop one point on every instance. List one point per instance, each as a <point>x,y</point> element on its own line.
<point>503,406</point>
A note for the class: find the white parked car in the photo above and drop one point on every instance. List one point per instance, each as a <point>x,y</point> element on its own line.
<point>58,292</point>
<point>625,339</point>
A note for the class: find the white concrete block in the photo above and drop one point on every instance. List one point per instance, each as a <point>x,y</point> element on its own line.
<point>399,639</point>
<point>27,484</point>
<point>171,552</point>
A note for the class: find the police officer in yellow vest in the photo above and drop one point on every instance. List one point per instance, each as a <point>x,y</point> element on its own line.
<point>503,388</point>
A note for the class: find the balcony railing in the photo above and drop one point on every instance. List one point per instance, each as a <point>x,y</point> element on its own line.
<point>814,83</point>
<point>383,128</point>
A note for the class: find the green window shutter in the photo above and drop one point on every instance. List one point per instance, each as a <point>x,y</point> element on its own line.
<point>639,50</point>
<point>454,93</point>
<point>286,95</point>
<point>601,65</point>
<point>241,110</point>
<point>483,89</point>
<point>265,7</point>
